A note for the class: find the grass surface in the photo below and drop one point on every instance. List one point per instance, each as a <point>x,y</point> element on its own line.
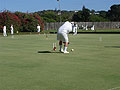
<point>98,30</point>
<point>94,65</point>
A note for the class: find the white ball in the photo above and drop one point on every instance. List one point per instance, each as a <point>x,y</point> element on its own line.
<point>72,50</point>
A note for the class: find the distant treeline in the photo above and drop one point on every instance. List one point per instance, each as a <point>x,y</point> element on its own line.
<point>84,15</point>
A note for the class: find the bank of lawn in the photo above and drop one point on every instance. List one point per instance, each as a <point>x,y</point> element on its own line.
<point>27,63</point>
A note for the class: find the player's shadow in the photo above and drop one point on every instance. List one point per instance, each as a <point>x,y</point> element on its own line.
<point>112,46</point>
<point>48,52</point>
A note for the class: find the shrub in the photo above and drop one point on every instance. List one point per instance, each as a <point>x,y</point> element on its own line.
<point>7,18</point>
<point>29,22</point>
<point>23,22</point>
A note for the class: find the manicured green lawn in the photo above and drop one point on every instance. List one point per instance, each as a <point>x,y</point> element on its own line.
<point>91,31</point>
<point>94,65</point>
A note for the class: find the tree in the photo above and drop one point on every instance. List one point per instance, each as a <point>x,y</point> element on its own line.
<point>54,15</point>
<point>49,16</point>
<point>85,14</point>
<point>114,13</point>
<point>77,17</point>
<point>66,18</point>
<point>92,11</point>
<point>103,14</point>
<point>29,21</point>
<point>97,18</point>
<point>82,16</point>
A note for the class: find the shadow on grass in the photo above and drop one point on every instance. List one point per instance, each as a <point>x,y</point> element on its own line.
<point>112,46</point>
<point>48,52</point>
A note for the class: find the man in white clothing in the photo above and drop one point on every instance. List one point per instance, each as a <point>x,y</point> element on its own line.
<point>62,36</point>
<point>38,28</point>
<point>93,27</point>
<point>12,30</point>
<point>75,29</point>
<point>4,31</point>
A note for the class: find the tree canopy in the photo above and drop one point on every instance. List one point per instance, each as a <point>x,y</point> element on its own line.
<point>114,13</point>
<point>84,15</point>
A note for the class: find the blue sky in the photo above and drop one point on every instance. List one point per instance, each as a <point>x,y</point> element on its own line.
<point>38,5</point>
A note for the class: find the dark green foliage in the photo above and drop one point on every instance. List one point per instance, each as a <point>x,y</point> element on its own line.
<point>97,18</point>
<point>77,16</point>
<point>90,16</point>
<point>85,14</point>
<point>49,15</point>
<point>114,13</point>
<point>54,15</point>
<point>103,14</point>
<point>29,21</point>
<point>82,16</point>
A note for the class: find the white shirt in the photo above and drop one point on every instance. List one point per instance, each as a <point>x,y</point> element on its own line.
<point>75,28</point>
<point>11,28</point>
<point>65,28</point>
<point>76,25</point>
<point>4,29</point>
<point>38,27</point>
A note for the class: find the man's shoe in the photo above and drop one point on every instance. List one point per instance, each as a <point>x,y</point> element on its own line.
<point>61,51</point>
<point>66,52</point>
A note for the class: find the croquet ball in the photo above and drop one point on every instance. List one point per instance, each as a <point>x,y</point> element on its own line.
<point>72,50</point>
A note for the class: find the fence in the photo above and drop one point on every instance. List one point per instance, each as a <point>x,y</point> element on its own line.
<point>98,25</point>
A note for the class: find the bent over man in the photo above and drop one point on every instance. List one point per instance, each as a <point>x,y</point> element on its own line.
<point>62,36</point>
